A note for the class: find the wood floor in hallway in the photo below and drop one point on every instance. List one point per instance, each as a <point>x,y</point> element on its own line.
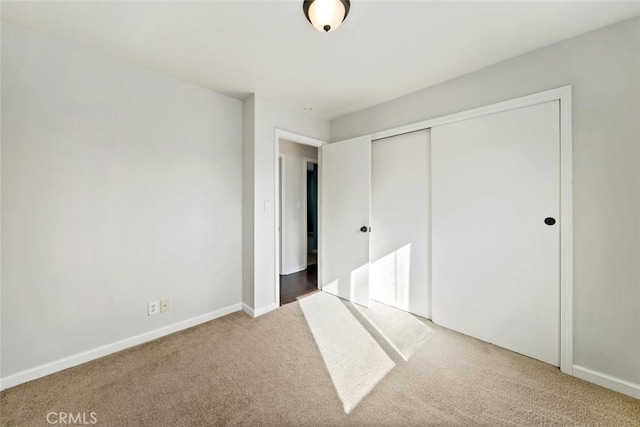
<point>293,286</point>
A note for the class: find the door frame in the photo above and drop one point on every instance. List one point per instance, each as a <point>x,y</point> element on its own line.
<point>280,201</point>
<point>304,140</point>
<point>305,208</point>
<point>562,94</point>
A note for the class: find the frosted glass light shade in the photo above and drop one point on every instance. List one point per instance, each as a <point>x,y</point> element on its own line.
<point>326,15</point>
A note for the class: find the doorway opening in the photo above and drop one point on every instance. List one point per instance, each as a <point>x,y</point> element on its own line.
<point>310,186</point>
<point>298,219</point>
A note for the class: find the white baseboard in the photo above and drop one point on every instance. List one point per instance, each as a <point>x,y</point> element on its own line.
<point>248,310</point>
<point>607,381</point>
<point>96,353</point>
<point>295,270</point>
<point>265,310</point>
<point>259,312</point>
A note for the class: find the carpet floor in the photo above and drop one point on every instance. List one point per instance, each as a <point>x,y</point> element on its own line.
<point>268,371</point>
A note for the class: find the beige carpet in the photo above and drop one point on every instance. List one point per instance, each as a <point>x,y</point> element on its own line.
<point>355,361</point>
<point>402,330</point>
<point>268,371</point>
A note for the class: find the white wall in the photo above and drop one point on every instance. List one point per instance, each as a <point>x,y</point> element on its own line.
<point>604,69</point>
<point>248,149</point>
<point>269,116</point>
<point>292,213</point>
<point>298,150</point>
<point>119,186</point>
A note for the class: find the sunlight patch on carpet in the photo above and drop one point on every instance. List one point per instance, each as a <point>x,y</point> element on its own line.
<point>355,361</point>
<point>401,329</point>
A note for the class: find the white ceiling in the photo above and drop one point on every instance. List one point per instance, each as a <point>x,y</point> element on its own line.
<point>384,49</point>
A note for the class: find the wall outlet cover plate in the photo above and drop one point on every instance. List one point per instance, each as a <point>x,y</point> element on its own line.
<point>153,308</point>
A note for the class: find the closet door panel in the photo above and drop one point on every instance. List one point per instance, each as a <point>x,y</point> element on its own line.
<point>496,229</point>
<point>400,237</point>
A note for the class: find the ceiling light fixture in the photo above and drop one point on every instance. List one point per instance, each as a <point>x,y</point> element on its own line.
<point>326,15</point>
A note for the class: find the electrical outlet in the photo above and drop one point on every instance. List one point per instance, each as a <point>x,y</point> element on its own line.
<point>154,308</point>
<point>164,305</point>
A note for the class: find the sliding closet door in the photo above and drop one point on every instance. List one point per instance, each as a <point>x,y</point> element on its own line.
<point>400,257</point>
<point>346,191</point>
<point>495,207</point>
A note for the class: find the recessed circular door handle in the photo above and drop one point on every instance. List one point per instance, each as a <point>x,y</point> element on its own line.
<point>364,229</point>
<point>549,221</point>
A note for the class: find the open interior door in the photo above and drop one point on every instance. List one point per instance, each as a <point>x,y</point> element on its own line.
<point>346,192</point>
